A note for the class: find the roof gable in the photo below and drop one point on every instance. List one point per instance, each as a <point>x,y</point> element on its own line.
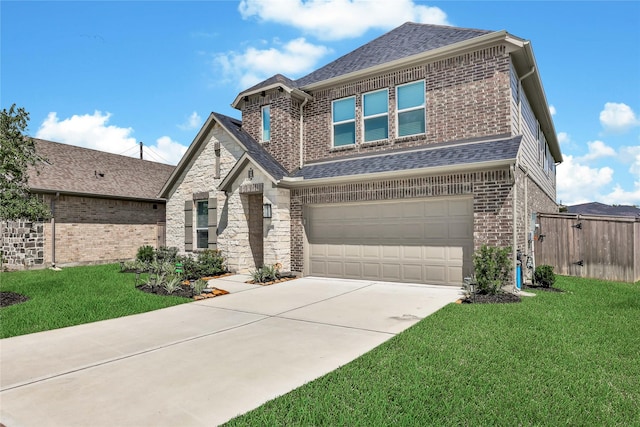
<point>407,40</point>
<point>77,170</point>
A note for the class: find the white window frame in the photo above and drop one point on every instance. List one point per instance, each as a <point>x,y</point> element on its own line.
<point>334,124</point>
<point>374,116</point>
<point>423,107</point>
<point>197,227</point>
<point>262,111</point>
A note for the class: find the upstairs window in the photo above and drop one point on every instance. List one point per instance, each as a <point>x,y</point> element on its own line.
<point>376,115</point>
<point>344,121</point>
<point>410,100</point>
<point>202,225</point>
<point>266,123</point>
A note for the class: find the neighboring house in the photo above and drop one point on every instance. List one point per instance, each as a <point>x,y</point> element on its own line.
<point>104,207</point>
<point>394,162</point>
<point>595,208</point>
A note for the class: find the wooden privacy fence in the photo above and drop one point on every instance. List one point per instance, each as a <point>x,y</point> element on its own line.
<point>601,247</point>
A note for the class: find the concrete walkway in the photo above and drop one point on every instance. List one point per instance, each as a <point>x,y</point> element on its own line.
<point>203,363</point>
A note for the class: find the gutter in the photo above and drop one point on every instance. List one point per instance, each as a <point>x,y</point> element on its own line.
<point>57,193</point>
<point>299,182</point>
<point>520,79</point>
<point>302,131</point>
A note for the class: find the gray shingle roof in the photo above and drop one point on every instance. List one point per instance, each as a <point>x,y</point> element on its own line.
<point>437,155</point>
<point>255,150</point>
<point>71,169</point>
<point>595,208</point>
<point>278,78</point>
<point>406,40</point>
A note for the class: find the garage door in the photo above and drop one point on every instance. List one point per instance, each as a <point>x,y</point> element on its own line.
<point>418,241</point>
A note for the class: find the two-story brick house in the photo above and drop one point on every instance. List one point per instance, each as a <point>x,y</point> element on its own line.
<point>394,162</point>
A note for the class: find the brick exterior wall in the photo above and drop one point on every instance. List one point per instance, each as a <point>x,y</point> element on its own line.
<point>491,190</point>
<point>284,143</point>
<point>467,96</point>
<point>88,230</point>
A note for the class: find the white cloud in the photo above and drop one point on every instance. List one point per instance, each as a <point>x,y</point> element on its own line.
<point>617,117</point>
<point>552,110</point>
<point>192,122</point>
<point>254,65</point>
<point>563,137</point>
<point>93,131</point>
<point>90,131</point>
<point>340,19</point>
<point>597,150</point>
<point>632,155</point>
<point>619,196</point>
<point>166,150</point>
<point>577,183</point>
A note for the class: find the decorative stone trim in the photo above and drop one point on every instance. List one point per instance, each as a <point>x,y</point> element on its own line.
<point>254,188</point>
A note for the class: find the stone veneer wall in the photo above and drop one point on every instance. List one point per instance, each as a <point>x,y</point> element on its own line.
<point>22,244</point>
<point>467,96</point>
<point>492,202</point>
<point>233,237</point>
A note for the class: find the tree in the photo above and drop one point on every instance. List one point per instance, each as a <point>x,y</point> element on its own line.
<point>17,153</point>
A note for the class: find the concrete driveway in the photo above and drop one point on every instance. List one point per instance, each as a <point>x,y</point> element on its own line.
<point>203,363</point>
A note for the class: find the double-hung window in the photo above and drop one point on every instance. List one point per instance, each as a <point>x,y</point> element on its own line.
<point>376,115</point>
<point>410,99</point>
<point>202,226</point>
<point>344,121</point>
<point>266,123</point>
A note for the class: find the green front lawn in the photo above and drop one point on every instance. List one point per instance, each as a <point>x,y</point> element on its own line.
<point>73,296</point>
<point>554,359</point>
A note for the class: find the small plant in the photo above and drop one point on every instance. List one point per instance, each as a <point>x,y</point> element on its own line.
<point>145,253</point>
<point>492,268</point>
<point>544,276</point>
<point>210,262</point>
<point>199,286</point>
<point>171,283</point>
<point>266,273</point>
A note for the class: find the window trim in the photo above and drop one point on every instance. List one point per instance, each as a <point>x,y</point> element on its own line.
<point>374,116</point>
<point>423,106</point>
<point>197,228</point>
<point>262,131</point>
<point>333,123</point>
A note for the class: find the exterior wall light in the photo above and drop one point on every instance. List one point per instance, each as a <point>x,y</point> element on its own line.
<point>250,173</point>
<point>266,210</point>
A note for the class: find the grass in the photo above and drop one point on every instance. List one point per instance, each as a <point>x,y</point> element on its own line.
<point>555,359</point>
<point>73,296</point>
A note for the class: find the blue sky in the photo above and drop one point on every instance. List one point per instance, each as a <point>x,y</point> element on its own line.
<point>106,75</point>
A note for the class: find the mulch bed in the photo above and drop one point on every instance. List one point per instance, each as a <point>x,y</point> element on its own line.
<point>501,298</point>
<point>11,298</point>
<point>280,280</point>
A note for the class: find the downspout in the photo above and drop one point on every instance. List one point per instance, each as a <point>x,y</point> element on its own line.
<point>520,79</point>
<point>301,131</point>
<point>514,234</point>
<point>53,229</point>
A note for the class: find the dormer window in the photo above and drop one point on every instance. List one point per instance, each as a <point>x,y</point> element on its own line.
<point>410,109</point>
<point>376,115</point>
<point>344,121</point>
<point>266,123</point>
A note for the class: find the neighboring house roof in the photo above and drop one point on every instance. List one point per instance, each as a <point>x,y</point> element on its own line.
<point>407,40</point>
<point>75,170</point>
<point>595,208</point>
<point>254,152</point>
<point>459,154</point>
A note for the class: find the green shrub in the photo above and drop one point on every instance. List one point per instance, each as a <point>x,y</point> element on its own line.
<point>167,254</point>
<point>145,253</point>
<point>199,286</point>
<point>544,276</point>
<point>210,262</point>
<point>492,268</point>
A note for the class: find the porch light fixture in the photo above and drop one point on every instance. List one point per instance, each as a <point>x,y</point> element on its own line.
<point>250,173</point>
<point>266,210</point>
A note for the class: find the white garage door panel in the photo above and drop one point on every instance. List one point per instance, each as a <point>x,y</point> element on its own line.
<point>419,240</point>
